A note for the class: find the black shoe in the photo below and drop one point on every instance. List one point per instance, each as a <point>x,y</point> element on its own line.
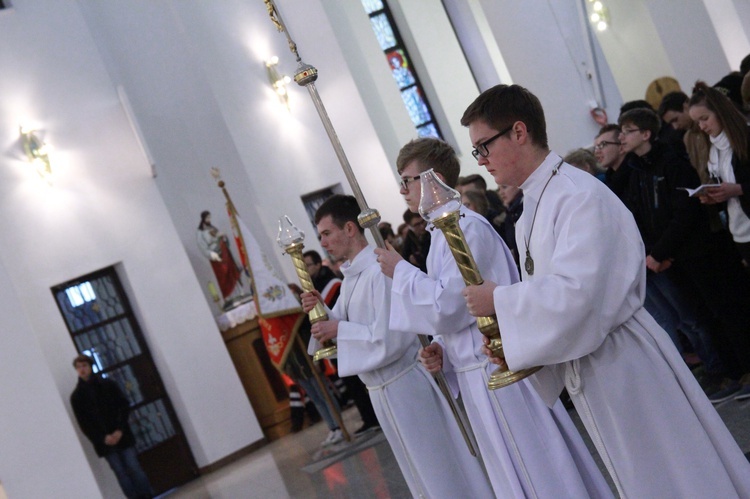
<point>366,428</point>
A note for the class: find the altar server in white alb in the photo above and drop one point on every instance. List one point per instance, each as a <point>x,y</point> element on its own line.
<point>528,449</point>
<point>415,417</point>
<point>579,311</point>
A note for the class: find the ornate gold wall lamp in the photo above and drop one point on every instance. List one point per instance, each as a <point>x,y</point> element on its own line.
<point>37,152</point>
<point>278,81</point>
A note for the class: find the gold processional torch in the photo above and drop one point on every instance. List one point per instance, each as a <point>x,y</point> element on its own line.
<point>440,205</point>
<point>291,241</point>
<point>305,76</point>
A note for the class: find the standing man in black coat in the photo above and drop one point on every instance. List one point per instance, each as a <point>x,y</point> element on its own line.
<point>102,413</point>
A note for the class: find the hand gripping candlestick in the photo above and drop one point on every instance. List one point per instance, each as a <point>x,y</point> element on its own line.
<point>369,218</point>
<point>439,205</point>
<point>290,239</point>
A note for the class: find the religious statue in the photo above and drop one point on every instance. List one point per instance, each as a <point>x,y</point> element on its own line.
<point>215,246</point>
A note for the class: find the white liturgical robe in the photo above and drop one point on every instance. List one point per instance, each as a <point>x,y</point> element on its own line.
<point>528,449</point>
<point>581,314</point>
<point>415,417</point>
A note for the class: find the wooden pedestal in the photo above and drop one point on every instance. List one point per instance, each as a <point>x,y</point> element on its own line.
<point>262,381</point>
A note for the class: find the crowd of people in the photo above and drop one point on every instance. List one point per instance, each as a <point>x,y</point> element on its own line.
<point>617,268</point>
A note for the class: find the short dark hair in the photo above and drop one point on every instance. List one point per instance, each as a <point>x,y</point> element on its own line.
<point>409,215</point>
<point>341,209</point>
<point>83,358</point>
<point>609,127</point>
<point>645,119</point>
<point>431,153</point>
<point>502,105</point>
<point>745,65</point>
<point>635,104</point>
<point>475,179</point>
<point>673,101</point>
<point>385,230</point>
<point>314,256</point>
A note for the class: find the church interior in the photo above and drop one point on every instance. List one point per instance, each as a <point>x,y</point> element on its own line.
<point>133,104</point>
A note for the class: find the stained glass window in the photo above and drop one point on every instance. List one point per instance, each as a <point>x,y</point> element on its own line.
<point>383,31</point>
<point>400,67</point>
<point>402,70</point>
<point>372,5</point>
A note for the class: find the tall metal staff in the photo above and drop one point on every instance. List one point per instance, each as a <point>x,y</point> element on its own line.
<point>368,218</point>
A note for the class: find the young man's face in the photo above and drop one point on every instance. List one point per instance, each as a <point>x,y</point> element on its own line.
<point>607,149</point>
<point>312,267</point>
<point>679,120</point>
<point>706,119</point>
<point>507,193</point>
<point>332,238</point>
<point>418,226</point>
<point>413,192</point>
<point>633,139</point>
<point>84,370</point>
<point>502,153</point>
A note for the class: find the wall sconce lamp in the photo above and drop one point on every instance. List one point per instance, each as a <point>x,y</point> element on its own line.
<point>278,81</point>
<point>37,151</point>
<point>599,15</point>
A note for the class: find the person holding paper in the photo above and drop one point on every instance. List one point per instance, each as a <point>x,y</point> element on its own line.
<point>728,160</point>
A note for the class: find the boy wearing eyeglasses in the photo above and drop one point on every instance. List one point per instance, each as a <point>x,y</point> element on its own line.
<point>528,449</point>
<point>579,313</point>
<point>414,416</point>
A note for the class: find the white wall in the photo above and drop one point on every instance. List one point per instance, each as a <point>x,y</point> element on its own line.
<point>195,76</point>
<point>103,209</point>
<point>40,449</point>
<point>193,72</point>
<point>543,46</point>
<point>688,36</point>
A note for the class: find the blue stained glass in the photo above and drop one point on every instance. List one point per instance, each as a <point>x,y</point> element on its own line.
<point>428,130</point>
<point>400,68</point>
<point>383,31</point>
<point>372,5</point>
<point>416,106</point>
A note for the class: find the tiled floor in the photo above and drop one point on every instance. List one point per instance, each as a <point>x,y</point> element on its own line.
<point>277,470</point>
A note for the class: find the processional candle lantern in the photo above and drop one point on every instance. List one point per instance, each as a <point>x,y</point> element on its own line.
<point>440,205</point>
<point>291,241</point>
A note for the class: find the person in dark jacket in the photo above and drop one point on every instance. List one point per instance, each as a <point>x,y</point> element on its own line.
<point>676,235</point>
<point>102,410</point>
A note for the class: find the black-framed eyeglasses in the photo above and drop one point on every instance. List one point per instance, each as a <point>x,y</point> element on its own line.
<point>628,132</point>
<point>604,143</point>
<point>481,148</point>
<point>405,182</point>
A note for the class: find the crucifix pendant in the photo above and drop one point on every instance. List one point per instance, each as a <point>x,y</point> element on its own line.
<point>528,264</point>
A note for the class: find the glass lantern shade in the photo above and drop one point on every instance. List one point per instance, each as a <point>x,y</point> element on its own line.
<point>288,233</point>
<point>437,200</point>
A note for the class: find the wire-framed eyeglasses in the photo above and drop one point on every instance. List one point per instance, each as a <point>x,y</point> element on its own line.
<point>604,143</point>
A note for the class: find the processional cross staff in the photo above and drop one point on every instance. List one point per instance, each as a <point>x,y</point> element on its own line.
<point>369,218</point>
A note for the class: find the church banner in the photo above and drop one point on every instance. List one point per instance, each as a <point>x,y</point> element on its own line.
<point>279,311</point>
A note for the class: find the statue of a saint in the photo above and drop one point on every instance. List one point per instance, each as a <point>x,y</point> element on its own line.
<point>215,246</point>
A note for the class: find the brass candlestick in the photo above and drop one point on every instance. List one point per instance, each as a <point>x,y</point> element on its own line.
<point>440,205</point>
<point>291,240</point>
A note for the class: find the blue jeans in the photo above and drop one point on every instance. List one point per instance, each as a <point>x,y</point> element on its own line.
<point>313,391</point>
<point>670,309</point>
<point>130,475</point>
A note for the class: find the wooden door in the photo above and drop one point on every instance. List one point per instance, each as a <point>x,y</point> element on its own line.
<point>102,325</point>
